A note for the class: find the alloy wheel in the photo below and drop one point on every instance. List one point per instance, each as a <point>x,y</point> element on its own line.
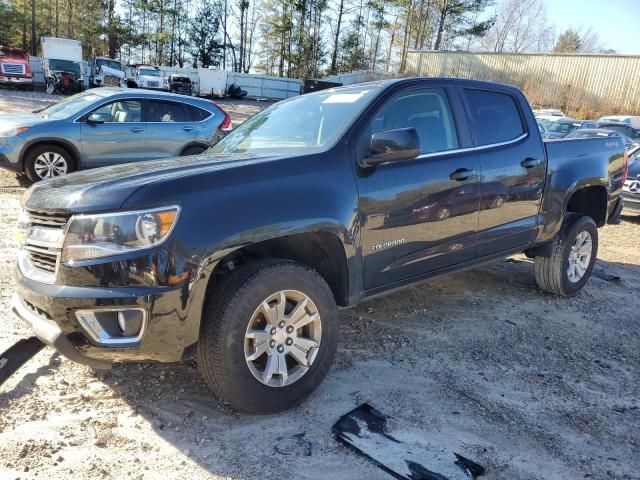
<point>580,256</point>
<point>50,164</point>
<point>283,338</point>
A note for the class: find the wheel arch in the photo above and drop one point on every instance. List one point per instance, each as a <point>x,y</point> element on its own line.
<point>59,142</point>
<point>193,144</point>
<point>320,250</point>
<point>588,200</point>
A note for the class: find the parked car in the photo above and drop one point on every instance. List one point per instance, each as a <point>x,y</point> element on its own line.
<point>14,67</point>
<point>561,127</point>
<point>552,112</point>
<point>146,76</point>
<point>602,132</point>
<point>630,120</point>
<point>180,84</point>
<point>239,257</point>
<point>619,127</point>
<point>631,189</point>
<point>108,126</point>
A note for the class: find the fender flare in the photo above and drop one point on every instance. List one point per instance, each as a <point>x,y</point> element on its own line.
<point>69,146</point>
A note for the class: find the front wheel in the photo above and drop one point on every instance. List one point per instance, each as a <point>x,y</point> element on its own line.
<point>573,254</point>
<point>269,336</point>
<point>48,161</point>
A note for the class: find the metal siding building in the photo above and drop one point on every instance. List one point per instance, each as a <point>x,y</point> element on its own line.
<point>593,83</point>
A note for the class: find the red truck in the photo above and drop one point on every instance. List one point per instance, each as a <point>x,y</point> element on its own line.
<point>14,67</point>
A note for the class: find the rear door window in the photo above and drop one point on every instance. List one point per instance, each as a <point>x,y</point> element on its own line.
<point>162,111</point>
<point>495,116</point>
<point>195,114</point>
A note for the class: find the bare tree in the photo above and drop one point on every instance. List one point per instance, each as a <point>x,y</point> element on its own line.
<point>520,26</point>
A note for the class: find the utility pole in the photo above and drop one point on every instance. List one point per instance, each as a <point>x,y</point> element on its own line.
<point>33,28</point>
<point>224,42</point>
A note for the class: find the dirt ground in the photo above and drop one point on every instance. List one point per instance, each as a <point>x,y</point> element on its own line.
<point>528,385</point>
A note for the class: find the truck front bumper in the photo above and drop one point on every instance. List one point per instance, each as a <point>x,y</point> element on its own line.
<point>16,80</point>
<point>51,334</point>
<point>81,322</point>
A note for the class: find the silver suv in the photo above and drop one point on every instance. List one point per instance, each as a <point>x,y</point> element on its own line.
<point>108,126</point>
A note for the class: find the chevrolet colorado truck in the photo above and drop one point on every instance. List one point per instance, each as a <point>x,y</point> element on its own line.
<point>240,257</point>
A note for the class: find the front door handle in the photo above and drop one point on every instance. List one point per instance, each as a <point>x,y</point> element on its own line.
<point>137,129</point>
<point>530,162</point>
<point>462,174</point>
<point>188,129</point>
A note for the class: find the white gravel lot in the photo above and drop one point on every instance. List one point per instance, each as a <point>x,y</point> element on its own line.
<point>529,385</point>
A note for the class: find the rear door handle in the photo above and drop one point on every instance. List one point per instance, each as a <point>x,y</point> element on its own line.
<point>462,174</point>
<point>530,162</point>
<point>137,129</point>
<point>188,129</point>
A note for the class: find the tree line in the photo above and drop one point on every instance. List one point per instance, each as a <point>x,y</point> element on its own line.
<point>288,38</point>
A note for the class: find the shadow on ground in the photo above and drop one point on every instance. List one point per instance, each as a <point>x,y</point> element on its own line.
<point>528,383</point>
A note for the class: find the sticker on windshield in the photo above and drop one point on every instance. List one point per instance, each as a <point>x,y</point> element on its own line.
<point>345,97</point>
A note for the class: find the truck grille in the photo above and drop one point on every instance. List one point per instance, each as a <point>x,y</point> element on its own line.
<point>47,219</point>
<point>153,84</point>
<point>46,261</point>
<point>39,258</point>
<point>13,68</point>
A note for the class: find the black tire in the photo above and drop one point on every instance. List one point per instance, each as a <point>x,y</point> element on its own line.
<point>220,354</point>
<point>195,150</point>
<point>34,153</point>
<point>551,272</point>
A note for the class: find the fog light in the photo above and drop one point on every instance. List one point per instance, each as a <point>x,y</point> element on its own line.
<point>130,322</point>
<point>115,327</point>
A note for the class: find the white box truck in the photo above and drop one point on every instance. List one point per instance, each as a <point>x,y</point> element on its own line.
<point>62,65</point>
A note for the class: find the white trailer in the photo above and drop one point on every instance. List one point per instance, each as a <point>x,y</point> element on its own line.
<point>213,83</point>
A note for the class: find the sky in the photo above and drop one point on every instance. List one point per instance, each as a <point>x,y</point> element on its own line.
<point>615,21</point>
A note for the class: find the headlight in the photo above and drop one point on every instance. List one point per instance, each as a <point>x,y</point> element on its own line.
<point>103,235</point>
<point>12,131</point>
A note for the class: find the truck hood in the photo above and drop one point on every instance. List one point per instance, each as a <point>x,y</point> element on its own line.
<point>107,188</point>
<point>8,120</point>
<point>104,70</point>
<point>150,78</point>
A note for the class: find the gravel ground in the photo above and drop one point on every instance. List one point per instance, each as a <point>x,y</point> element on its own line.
<point>529,385</point>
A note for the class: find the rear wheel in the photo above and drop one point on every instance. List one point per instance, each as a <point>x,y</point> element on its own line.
<point>269,336</point>
<point>48,161</point>
<point>573,254</point>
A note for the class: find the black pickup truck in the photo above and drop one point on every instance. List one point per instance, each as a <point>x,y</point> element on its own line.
<point>240,256</point>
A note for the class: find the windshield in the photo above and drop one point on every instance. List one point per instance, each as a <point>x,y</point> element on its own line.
<point>64,66</point>
<point>311,121</point>
<point>116,65</point>
<point>151,72</point>
<point>71,105</point>
<point>9,53</point>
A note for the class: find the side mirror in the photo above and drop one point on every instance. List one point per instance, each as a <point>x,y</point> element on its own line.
<point>95,119</point>
<point>395,145</point>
